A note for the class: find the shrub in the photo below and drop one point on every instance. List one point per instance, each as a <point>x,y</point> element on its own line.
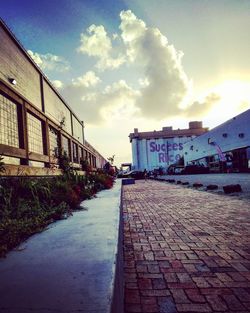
<point>27,205</point>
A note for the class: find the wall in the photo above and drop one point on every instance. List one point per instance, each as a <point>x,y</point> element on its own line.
<point>55,108</point>
<point>154,153</point>
<point>225,135</point>
<point>14,64</point>
<point>33,94</point>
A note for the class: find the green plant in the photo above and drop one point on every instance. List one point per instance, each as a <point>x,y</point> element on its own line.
<point>85,165</point>
<point>111,159</point>
<point>27,205</point>
<point>64,162</point>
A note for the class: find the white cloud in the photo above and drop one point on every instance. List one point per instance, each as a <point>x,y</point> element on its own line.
<point>199,109</point>
<point>167,83</point>
<point>58,84</point>
<point>163,88</point>
<point>89,79</point>
<point>96,42</point>
<point>50,62</point>
<point>95,105</point>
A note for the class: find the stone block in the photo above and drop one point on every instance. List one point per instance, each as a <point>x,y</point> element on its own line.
<point>212,187</point>
<point>197,185</point>
<point>128,181</point>
<point>232,188</point>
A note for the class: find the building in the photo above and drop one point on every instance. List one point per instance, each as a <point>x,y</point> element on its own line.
<point>159,149</point>
<point>36,124</point>
<point>224,148</point>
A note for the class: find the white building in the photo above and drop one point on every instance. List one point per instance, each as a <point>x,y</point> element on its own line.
<point>159,149</point>
<point>226,147</point>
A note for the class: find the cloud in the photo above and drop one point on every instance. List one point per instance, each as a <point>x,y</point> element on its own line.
<point>83,87</point>
<point>57,83</point>
<point>163,88</point>
<point>167,83</point>
<point>89,79</point>
<point>96,105</point>
<point>201,108</point>
<point>118,100</point>
<point>50,62</point>
<point>243,106</point>
<point>96,42</point>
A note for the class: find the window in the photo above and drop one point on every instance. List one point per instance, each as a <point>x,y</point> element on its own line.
<point>35,134</point>
<point>81,153</point>
<point>53,142</point>
<point>75,153</point>
<point>85,155</point>
<point>8,123</point>
<point>94,161</point>
<point>90,159</point>
<point>65,145</point>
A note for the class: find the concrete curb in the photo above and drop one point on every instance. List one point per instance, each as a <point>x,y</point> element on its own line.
<point>118,286</point>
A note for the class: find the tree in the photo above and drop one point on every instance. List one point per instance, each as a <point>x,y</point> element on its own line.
<point>111,159</point>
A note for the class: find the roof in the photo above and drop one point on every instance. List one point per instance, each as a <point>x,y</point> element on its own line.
<point>169,133</point>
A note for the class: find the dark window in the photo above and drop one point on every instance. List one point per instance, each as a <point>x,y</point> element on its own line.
<point>8,123</point>
<point>35,136</point>
<point>75,153</point>
<point>53,142</point>
<point>90,159</point>
<point>85,155</point>
<point>81,153</point>
<point>65,145</point>
<point>94,160</point>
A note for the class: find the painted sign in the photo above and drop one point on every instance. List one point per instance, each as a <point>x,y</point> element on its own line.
<point>167,152</point>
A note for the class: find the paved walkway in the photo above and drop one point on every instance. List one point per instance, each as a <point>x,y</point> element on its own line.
<point>185,250</point>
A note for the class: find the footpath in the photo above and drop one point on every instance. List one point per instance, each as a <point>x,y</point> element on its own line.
<point>68,268</point>
<point>185,250</point>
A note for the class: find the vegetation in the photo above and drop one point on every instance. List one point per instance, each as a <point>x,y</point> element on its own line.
<point>111,159</point>
<point>27,205</point>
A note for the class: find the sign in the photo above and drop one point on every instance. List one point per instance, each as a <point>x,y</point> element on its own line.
<point>167,152</point>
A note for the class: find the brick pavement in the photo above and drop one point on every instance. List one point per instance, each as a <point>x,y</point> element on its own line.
<point>185,250</point>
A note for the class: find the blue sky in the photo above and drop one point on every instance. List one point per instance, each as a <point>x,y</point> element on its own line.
<point>142,63</point>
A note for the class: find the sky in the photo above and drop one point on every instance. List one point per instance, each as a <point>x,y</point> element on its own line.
<point>125,64</point>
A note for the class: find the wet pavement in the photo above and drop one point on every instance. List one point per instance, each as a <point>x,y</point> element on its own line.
<point>185,250</point>
<point>69,267</point>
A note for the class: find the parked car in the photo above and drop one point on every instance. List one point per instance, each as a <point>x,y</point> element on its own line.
<point>195,169</point>
<point>132,174</point>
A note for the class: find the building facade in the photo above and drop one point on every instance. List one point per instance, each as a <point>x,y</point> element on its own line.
<point>36,124</point>
<point>224,148</point>
<point>159,149</point>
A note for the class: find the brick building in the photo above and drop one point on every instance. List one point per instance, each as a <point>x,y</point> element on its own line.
<point>36,124</point>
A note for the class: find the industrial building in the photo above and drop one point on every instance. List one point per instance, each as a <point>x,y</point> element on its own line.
<point>225,148</point>
<point>36,124</point>
<point>159,149</point>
